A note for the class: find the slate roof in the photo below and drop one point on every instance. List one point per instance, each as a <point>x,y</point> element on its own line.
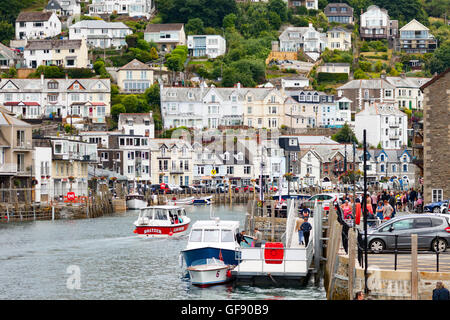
<point>99,24</point>
<point>53,44</point>
<point>163,27</point>
<point>135,64</point>
<point>33,16</point>
<point>367,84</point>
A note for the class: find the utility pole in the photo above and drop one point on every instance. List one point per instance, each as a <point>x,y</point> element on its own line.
<point>354,178</point>
<point>363,202</point>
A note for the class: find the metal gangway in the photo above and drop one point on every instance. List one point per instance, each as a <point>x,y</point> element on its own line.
<point>291,261</point>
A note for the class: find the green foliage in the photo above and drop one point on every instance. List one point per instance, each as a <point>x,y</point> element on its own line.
<point>80,73</point>
<point>365,66</point>
<point>359,74</point>
<point>376,46</point>
<point>299,21</point>
<point>132,40</point>
<point>337,56</point>
<point>212,12</point>
<point>49,72</point>
<point>152,96</point>
<point>344,135</point>
<point>116,110</point>
<point>332,77</point>
<point>194,26</point>
<point>6,32</point>
<point>229,21</point>
<point>440,60</point>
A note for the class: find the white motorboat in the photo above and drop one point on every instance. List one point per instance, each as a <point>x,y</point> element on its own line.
<point>162,222</point>
<point>135,201</point>
<point>212,272</point>
<point>184,201</point>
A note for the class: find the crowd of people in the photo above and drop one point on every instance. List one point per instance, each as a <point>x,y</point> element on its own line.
<point>382,205</point>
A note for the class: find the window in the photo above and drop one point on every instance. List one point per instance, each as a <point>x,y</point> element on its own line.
<point>227,236</point>
<point>247,170</point>
<point>249,109</point>
<point>422,223</point>
<point>436,195</point>
<point>403,224</point>
<point>211,235</point>
<point>405,168</point>
<point>196,235</point>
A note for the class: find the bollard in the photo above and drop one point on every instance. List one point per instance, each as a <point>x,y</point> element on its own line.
<point>53,213</point>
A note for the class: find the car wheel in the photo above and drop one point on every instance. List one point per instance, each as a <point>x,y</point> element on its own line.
<point>377,246</point>
<point>436,210</point>
<point>439,245</point>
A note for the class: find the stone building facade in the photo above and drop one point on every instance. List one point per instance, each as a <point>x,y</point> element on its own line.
<point>436,144</point>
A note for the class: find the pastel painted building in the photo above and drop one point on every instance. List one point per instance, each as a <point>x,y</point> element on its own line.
<point>37,25</point>
<point>99,33</point>
<point>210,46</point>
<point>167,36</point>
<point>134,77</point>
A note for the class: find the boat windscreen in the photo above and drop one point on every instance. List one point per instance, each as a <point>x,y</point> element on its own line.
<point>160,214</point>
<point>196,235</point>
<point>227,236</point>
<point>211,235</point>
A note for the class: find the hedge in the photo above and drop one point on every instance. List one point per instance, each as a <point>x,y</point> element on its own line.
<point>332,77</point>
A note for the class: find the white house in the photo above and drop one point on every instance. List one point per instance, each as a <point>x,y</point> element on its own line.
<point>407,91</point>
<point>136,156</point>
<point>201,107</point>
<point>211,46</point>
<point>385,125</point>
<point>43,190</point>
<point>64,7</point>
<point>37,25</point>
<point>66,53</point>
<point>294,82</point>
<point>375,24</point>
<point>141,124</point>
<point>99,33</point>
<point>167,35</point>
<point>46,98</point>
<point>132,8</point>
<point>306,39</point>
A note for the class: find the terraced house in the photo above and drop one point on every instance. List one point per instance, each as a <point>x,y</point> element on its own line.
<point>99,33</point>
<point>171,161</point>
<point>57,98</point>
<point>65,53</point>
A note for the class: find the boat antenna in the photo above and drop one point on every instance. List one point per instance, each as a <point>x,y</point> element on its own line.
<point>211,213</point>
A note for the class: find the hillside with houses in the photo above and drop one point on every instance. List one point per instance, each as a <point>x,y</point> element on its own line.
<point>115,82</point>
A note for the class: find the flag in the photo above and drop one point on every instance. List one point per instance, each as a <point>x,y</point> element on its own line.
<point>220,255</point>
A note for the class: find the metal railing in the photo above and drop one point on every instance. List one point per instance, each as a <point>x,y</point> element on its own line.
<point>404,248</point>
<point>288,255</point>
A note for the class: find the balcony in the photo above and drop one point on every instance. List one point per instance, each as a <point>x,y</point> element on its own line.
<point>23,146</point>
<point>394,136</point>
<point>394,124</point>
<point>176,170</point>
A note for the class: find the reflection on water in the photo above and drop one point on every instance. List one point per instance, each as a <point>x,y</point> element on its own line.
<point>113,263</point>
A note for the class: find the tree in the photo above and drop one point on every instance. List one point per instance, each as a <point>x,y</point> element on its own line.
<point>345,135</point>
<point>279,7</point>
<point>130,103</point>
<point>174,63</point>
<point>154,54</point>
<point>229,21</point>
<point>194,26</point>
<point>152,95</point>
<point>6,32</point>
<point>132,40</point>
<point>440,61</point>
<point>117,109</point>
<point>359,74</point>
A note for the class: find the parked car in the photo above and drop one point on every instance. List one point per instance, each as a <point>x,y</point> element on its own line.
<point>433,233</point>
<point>437,207</point>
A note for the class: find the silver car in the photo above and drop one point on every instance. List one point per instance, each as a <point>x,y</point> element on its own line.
<point>433,233</point>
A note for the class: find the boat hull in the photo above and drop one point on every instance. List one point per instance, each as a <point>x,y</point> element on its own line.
<point>134,204</point>
<point>208,277</point>
<point>206,200</point>
<point>176,230</point>
<point>192,255</point>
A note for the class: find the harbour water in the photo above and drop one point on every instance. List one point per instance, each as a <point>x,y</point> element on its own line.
<point>102,258</point>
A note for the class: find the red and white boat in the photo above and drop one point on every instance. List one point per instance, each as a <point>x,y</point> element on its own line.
<point>162,222</point>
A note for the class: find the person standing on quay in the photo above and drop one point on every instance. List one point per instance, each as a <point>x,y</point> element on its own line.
<point>306,228</point>
<point>298,224</point>
<point>440,293</point>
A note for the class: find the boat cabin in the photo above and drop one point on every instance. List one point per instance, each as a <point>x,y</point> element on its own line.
<point>134,196</point>
<point>214,231</point>
<point>161,215</point>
